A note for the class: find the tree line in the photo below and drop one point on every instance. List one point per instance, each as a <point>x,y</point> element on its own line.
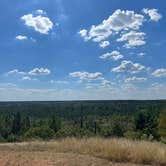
<point>131,119</point>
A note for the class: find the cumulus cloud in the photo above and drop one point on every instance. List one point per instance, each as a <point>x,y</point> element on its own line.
<point>35,71</point>
<point>40,23</point>
<point>26,78</point>
<point>21,37</point>
<point>104,44</point>
<point>114,55</point>
<point>86,75</point>
<point>103,84</point>
<point>106,83</point>
<point>15,72</point>
<point>159,72</point>
<point>133,39</point>
<point>84,34</point>
<point>153,14</point>
<point>130,67</point>
<point>118,21</point>
<point>39,71</point>
<point>135,79</point>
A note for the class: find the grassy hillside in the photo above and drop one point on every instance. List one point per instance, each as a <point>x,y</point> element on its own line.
<point>109,150</point>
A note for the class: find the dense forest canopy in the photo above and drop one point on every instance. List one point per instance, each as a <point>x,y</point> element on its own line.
<point>133,119</point>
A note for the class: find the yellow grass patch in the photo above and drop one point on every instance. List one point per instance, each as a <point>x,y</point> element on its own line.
<point>118,150</point>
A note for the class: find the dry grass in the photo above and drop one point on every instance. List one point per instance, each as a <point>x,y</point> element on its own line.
<point>117,150</point>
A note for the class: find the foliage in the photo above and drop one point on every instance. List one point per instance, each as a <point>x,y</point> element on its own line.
<point>162,125</point>
<point>132,135</point>
<point>16,127</point>
<point>131,119</point>
<point>146,122</point>
<point>13,138</point>
<point>55,123</point>
<point>40,132</point>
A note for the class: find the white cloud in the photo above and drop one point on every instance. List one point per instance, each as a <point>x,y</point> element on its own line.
<point>10,92</point>
<point>35,71</point>
<point>102,84</point>
<point>58,82</point>
<point>118,21</point>
<point>40,23</point>
<point>26,78</point>
<point>106,83</point>
<point>115,55</point>
<point>159,72</point>
<point>153,14</point>
<point>141,54</point>
<point>86,75</point>
<point>83,34</point>
<point>15,72</point>
<point>129,66</point>
<point>133,39</point>
<point>7,85</point>
<point>104,44</point>
<point>40,12</point>
<point>135,79</point>
<point>21,37</point>
<point>39,71</point>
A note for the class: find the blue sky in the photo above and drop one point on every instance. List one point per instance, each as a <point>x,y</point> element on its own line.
<point>84,49</point>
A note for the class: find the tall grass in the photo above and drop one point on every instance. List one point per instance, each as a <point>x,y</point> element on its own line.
<point>118,150</point>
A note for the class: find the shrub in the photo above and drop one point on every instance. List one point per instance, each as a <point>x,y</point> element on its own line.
<point>13,138</point>
<point>132,135</point>
<point>2,139</point>
<point>71,131</point>
<point>43,132</point>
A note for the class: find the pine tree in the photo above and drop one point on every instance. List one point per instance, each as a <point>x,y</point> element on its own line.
<point>16,128</point>
<point>81,119</point>
<point>26,124</point>
<point>55,123</point>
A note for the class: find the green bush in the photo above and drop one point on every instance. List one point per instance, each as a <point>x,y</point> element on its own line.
<point>163,140</point>
<point>106,132</point>
<point>132,135</point>
<point>13,138</point>
<point>70,131</point>
<point>114,130</point>
<point>2,139</point>
<point>43,132</point>
<point>144,137</point>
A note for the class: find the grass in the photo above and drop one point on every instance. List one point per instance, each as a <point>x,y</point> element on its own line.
<point>117,150</point>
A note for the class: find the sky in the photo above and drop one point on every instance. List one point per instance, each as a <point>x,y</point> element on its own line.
<point>82,50</point>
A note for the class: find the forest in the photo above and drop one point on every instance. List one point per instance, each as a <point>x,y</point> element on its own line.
<point>142,120</point>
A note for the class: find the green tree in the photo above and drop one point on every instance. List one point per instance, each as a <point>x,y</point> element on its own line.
<point>26,124</point>
<point>43,132</point>
<point>16,128</point>
<point>6,126</point>
<point>162,125</point>
<point>145,121</point>
<point>117,129</point>
<point>55,123</point>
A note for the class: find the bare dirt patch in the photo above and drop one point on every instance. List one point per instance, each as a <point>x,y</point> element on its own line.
<point>53,159</point>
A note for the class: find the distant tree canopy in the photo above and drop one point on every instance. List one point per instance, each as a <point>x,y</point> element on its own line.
<point>145,121</point>
<point>20,121</point>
